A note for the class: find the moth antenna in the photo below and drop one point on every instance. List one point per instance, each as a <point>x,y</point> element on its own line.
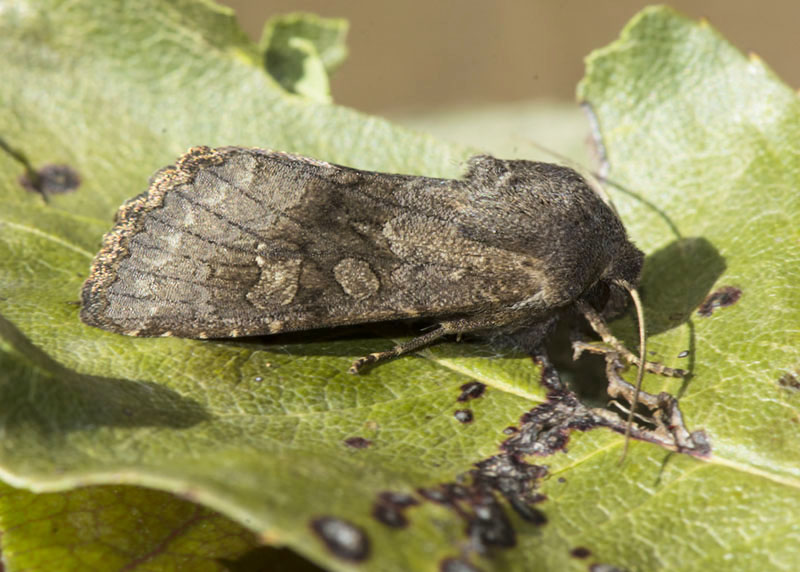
<point>637,302</point>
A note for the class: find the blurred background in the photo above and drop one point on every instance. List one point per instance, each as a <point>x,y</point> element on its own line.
<point>422,55</point>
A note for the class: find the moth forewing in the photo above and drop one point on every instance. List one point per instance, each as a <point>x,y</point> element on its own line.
<point>234,242</point>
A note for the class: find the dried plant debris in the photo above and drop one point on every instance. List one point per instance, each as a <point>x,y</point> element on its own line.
<point>481,498</point>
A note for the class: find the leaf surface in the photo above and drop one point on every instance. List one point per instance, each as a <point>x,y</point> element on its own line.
<point>276,436</point>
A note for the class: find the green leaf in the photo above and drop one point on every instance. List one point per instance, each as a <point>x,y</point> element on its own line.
<point>301,51</point>
<point>262,431</point>
<point>113,528</point>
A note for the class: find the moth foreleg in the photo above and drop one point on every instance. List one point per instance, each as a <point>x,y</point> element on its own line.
<point>444,329</point>
<point>598,324</point>
<point>410,346</point>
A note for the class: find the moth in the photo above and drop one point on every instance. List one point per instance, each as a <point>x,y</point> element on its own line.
<point>234,242</point>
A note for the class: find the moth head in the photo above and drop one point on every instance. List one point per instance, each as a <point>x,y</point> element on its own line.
<point>610,294</point>
<point>625,266</point>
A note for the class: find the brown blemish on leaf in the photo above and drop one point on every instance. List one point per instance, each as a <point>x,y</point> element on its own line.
<point>358,442</point>
<point>580,552</point>
<point>344,539</point>
<point>51,180</point>
<point>720,298</point>
<point>471,390</point>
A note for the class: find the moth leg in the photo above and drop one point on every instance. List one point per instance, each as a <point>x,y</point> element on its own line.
<point>599,325</point>
<point>410,346</point>
<point>667,416</point>
<point>457,327</point>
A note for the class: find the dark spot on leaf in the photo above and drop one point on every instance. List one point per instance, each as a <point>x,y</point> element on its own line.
<point>357,442</point>
<point>389,506</point>
<point>683,354</point>
<point>343,539</point>
<point>720,298</point>
<point>389,515</point>
<point>471,390</point>
<point>510,430</point>
<point>402,500</point>
<point>562,480</point>
<point>463,415</point>
<point>51,180</point>
<point>457,565</point>
<point>580,552</point>
<point>789,381</point>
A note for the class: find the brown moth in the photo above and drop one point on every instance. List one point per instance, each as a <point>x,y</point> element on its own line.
<point>236,242</point>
